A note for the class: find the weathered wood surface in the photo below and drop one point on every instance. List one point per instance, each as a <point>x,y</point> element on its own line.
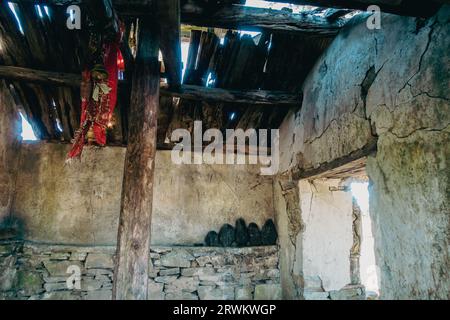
<point>257,97</point>
<point>190,92</point>
<point>352,164</point>
<point>240,17</point>
<point>168,12</point>
<point>40,76</point>
<point>257,19</point>
<point>133,249</point>
<point>415,8</point>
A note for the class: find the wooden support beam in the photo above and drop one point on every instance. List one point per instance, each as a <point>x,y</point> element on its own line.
<point>239,17</point>
<point>329,169</point>
<point>169,17</point>
<point>39,76</point>
<point>259,97</point>
<point>414,8</point>
<point>257,19</point>
<point>133,245</point>
<point>191,92</point>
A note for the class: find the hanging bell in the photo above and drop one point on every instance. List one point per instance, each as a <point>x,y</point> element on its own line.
<point>90,136</point>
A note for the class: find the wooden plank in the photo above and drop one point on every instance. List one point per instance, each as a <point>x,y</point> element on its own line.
<point>191,92</point>
<point>257,19</point>
<point>237,17</point>
<point>194,44</point>
<point>170,42</point>
<point>39,76</point>
<point>133,245</point>
<point>324,169</point>
<point>260,97</point>
<point>414,8</point>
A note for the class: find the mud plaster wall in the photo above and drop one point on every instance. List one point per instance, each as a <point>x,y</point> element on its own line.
<point>9,149</point>
<point>391,87</point>
<point>80,204</point>
<point>327,236</point>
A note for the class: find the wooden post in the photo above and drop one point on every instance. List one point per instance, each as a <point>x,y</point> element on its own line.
<point>133,245</point>
<point>169,17</point>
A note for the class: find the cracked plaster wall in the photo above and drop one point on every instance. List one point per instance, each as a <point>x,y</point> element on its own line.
<point>80,204</point>
<point>389,86</point>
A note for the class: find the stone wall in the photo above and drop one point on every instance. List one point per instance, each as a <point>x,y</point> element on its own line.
<point>386,88</point>
<point>9,150</point>
<point>80,204</point>
<point>39,272</point>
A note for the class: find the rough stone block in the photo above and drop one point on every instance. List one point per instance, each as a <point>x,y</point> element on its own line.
<point>155,290</point>
<point>185,284</point>
<point>60,256</point>
<point>60,268</point>
<point>166,279</point>
<point>99,261</point>
<point>95,272</point>
<point>78,256</point>
<point>348,293</point>
<point>191,272</point>
<point>169,272</point>
<point>90,285</point>
<point>245,293</point>
<point>8,273</point>
<point>314,295</point>
<point>202,261</point>
<point>216,293</point>
<point>99,295</point>
<point>268,292</point>
<point>178,258</point>
<point>181,296</point>
<point>62,295</point>
<point>55,286</point>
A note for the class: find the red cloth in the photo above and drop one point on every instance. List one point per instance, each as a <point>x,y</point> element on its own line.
<point>97,114</point>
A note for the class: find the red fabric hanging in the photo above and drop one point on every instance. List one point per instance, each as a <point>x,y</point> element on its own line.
<point>98,100</point>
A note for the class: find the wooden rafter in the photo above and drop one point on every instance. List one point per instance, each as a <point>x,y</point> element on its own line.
<point>415,8</point>
<point>258,97</point>
<point>169,17</point>
<point>190,92</point>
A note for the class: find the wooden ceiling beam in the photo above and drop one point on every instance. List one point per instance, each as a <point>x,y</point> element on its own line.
<point>190,92</point>
<point>237,17</point>
<point>414,8</point>
<point>257,19</point>
<point>258,97</point>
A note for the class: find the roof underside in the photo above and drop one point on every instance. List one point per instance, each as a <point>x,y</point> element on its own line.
<point>272,61</point>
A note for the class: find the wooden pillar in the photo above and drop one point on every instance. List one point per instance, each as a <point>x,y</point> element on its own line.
<point>133,246</point>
